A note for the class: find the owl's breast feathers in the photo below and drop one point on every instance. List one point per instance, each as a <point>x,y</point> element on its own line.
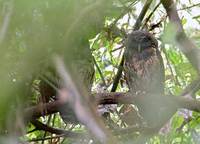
<point>144,71</point>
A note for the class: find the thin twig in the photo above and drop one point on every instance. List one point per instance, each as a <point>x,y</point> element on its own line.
<point>40,126</point>
<point>189,7</point>
<point>99,70</point>
<point>33,130</point>
<point>122,46</point>
<point>126,10</point>
<point>170,67</point>
<point>118,75</point>
<point>151,14</point>
<point>142,14</point>
<point>186,121</point>
<point>48,121</point>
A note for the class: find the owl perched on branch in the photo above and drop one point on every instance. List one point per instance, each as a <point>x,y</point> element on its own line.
<point>144,72</point>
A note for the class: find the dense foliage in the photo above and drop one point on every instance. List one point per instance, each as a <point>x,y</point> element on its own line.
<point>87,34</point>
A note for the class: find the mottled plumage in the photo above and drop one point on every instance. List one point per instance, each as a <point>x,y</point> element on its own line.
<point>144,72</point>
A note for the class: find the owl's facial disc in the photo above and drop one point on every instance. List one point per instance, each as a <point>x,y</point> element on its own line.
<point>139,41</point>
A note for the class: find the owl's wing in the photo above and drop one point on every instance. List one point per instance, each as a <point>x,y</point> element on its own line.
<point>145,73</point>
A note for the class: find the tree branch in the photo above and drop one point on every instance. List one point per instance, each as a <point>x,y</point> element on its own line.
<point>35,112</point>
<point>151,14</point>
<point>142,14</point>
<point>99,70</point>
<point>40,126</point>
<point>189,7</point>
<point>112,98</point>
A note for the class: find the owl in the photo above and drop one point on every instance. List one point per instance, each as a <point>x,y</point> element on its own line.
<point>144,73</point>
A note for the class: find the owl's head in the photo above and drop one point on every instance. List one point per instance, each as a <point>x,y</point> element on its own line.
<point>139,41</point>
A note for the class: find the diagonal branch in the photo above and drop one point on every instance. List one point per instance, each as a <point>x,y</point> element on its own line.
<point>151,14</point>
<point>81,106</point>
<point>185,44</point>
<point>40,126</point>
<point>142,14</point>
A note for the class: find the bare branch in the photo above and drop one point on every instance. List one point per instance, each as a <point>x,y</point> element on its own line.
<point>112,98</point>
<point>40,126</point>
<point>35,112</point>
<point>99,70</point>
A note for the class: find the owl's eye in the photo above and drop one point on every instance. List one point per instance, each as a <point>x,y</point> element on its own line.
<point>144,40</point>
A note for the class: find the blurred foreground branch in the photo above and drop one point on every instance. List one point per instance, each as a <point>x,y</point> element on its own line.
<point>82,107</point>
<point>185,44</point>
<point>112,98</point>
<point>175,102</point>
<point>6,20</point>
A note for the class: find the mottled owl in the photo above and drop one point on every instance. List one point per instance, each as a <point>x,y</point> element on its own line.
<point>144,73</point>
